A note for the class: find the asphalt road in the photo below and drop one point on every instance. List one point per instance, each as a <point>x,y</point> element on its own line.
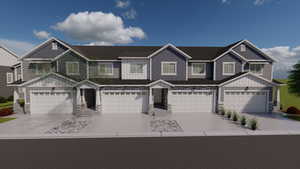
<point>217,152</point>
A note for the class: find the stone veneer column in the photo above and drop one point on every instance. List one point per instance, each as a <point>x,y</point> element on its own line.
<point>150,108</point>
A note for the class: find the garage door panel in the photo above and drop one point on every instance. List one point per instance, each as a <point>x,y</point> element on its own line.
<point>125,102</point>
<point>48,102</point>
<point>191,101</point>
<point>251,101</point>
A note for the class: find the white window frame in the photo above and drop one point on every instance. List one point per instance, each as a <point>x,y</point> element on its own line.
<point>54,46</point>
<point>262,70</point>
<point>223,67</point>
<point>9,77</point>
<point>131,64</point>
<point>243,48</point>
<point>168,74</point>
<point>36,70</point>
<point>67,71</point>
<point>193,73</point>
<point>110,73</point>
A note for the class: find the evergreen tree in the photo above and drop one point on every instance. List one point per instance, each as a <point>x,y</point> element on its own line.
<point>294,79</point>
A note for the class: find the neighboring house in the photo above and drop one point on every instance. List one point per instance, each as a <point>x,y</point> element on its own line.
<point>62,78</point>
<point>7,60</point>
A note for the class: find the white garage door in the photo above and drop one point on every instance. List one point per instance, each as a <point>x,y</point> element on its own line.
<point>134,101</point>
<point>191,101</point>
<point>250,101</point>
<point>47,102</point>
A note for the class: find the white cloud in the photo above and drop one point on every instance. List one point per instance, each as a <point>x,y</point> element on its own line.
<point>259,2</point>
<point>286,57</point>
<point>99,28</point>
<point>122,4</point>
<point>19,47</point>
<point>225,1</point>
<point>41,34</point>
<point>131,14</point>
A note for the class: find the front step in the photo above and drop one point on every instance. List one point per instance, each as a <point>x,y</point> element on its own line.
<point>84,112</point>
<point>159,112</point>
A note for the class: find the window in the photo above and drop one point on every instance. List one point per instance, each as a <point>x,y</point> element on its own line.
<point>105,69</point>
<point>9,77</point>
<point>54,46</point>
<point>243,48</point>
<point>256,68</point>
<point>198,68</point>
<point>228,68</point>
<point>136,68</point>
<point>72,68</point>
<point>42,68</point>
<point>168,68</point>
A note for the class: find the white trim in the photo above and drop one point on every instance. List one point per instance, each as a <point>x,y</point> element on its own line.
<point>9,51</point>
<point>36,69</point>
<point>87,81</point>
<point>87,69</point>
<point>11,77</point>
<point>136,63</point>
<point>223,66</point>
<point>272,70</point>
<point>105,74</point>
<point>35,48</point>
<point>71,62</point>
<point>243,58</point>
<point>123,57</point>
<point>22,70</point>
<point>192,69</point>
<point>262,70</point>
<point>160,81</point>
<point>168,74</point>
<point>200,60</point>
<point>248,73</point>
<point>38,59</point>
<point>60,55</point>
<point>105,60</point>
<point>214,73</point>
<point>166,46</point>
<point>150,69</point>
<point>41,77</point>
<point>186,70</point>
<point>57,69</point>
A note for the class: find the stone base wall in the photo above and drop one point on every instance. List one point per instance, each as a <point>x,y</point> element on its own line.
<point>27,108</point>
<point>18,109</point>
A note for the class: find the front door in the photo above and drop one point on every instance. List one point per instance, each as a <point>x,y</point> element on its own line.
<point>160,98</point>
<point>90,98</point>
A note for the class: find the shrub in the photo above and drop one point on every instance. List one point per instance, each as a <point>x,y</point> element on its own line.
<point>235,116</point>
<point>21,102</point>
<point>6,112</point>
<point>10,98</point>
<point>228,114</point>
<point>2,99</point>
<point>292,110</point>
<point>243,120</point>
<point>253,124</point>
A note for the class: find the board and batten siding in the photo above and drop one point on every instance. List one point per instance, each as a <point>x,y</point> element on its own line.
<point>94,72</point>
<point>208,69</point>
<point>126,69</point>
<point>168,55</point>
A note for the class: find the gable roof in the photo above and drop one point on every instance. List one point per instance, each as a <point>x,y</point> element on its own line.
<point>9,51</point>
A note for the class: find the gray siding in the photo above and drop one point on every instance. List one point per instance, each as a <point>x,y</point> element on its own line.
<point>250,53</point>
<point>46,51</point>
<point>227,58</point>
<point>5,91</point>
<point>208,75</point>
<point>93,70</point>
<point>267,70</point>
<point>72,57</point>
<point>29,70</point>
<point>168,55</point>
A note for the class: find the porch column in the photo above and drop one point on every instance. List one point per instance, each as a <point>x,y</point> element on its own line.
<point>98,100</point>
<point>150,107</point>
<point>83,102</point>
<point>78,100</point>
<point>278,98</point>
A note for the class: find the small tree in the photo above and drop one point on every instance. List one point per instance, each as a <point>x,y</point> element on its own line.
<point>294,79</point>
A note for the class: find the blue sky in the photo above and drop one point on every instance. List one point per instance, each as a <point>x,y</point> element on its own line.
<point>270,24</point>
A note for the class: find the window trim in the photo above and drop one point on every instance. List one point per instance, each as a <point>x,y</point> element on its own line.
<point>36,70</point>
<point>192,65</point>
<point>108,74</point>
<point>243,48</point>
<point>11,77</point>
<point>54,46</point>
<point>223,67</point>
<point>67,71</point>
<point>262,70</point>
<point>168,74</point>
<point>130,64</point>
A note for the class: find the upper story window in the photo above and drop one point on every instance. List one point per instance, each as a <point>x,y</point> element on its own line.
<point>9,77</point>
<point>72,68</point>
<point>243,48</point>
<point>105,69</point>
<point>257,68</point>
<point>168,68</point>
<point>198,68</point>
<point>54,46</point>
<point>42,68</point>
<point>228,68</point>
<point>136,68</point>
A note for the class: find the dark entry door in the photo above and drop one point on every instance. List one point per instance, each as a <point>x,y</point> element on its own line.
<point>165,98</point>
<point>90,98</point>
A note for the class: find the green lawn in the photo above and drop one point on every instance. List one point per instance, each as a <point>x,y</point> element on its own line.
<point>5,119</point>
<point>288,99</point>
<point>6,105</point>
